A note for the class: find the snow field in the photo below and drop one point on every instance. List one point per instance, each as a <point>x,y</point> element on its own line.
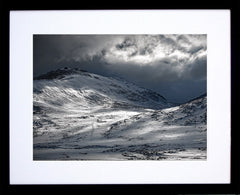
<point>90,117</point>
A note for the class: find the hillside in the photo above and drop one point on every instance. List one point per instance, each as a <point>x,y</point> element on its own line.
<point>79,115</point>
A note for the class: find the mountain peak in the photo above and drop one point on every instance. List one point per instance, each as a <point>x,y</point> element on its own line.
<point>96,89</point>
<point>59,73</point>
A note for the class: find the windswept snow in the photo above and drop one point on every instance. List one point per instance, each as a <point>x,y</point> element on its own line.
<point>84,116</point>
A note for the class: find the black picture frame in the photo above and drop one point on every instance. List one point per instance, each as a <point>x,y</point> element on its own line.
<point>232,188</point>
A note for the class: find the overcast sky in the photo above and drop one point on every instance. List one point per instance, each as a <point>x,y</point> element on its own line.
<point>173,65</point>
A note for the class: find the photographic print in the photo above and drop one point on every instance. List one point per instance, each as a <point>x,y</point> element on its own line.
<point>120,97</point>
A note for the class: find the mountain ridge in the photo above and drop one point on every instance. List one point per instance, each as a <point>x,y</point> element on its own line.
<point>79,115</point>
<point>104,87</point>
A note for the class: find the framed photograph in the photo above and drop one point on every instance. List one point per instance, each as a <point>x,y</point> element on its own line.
<point>120,97</point>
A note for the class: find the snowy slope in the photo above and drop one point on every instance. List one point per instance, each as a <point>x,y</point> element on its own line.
<point>84,116</point>
<point>66,86</point>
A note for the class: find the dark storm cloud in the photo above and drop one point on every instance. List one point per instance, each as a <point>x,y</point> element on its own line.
<point>126,44</point>
<point>174,85</point>
<point>173,65</point>
<point>45,53</point>
<point>196,69</point>
<point>168,41</point>
<point>50,50</point>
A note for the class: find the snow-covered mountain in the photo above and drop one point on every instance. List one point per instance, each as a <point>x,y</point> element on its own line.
<point>84,116</point>
<point>84,89</point>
